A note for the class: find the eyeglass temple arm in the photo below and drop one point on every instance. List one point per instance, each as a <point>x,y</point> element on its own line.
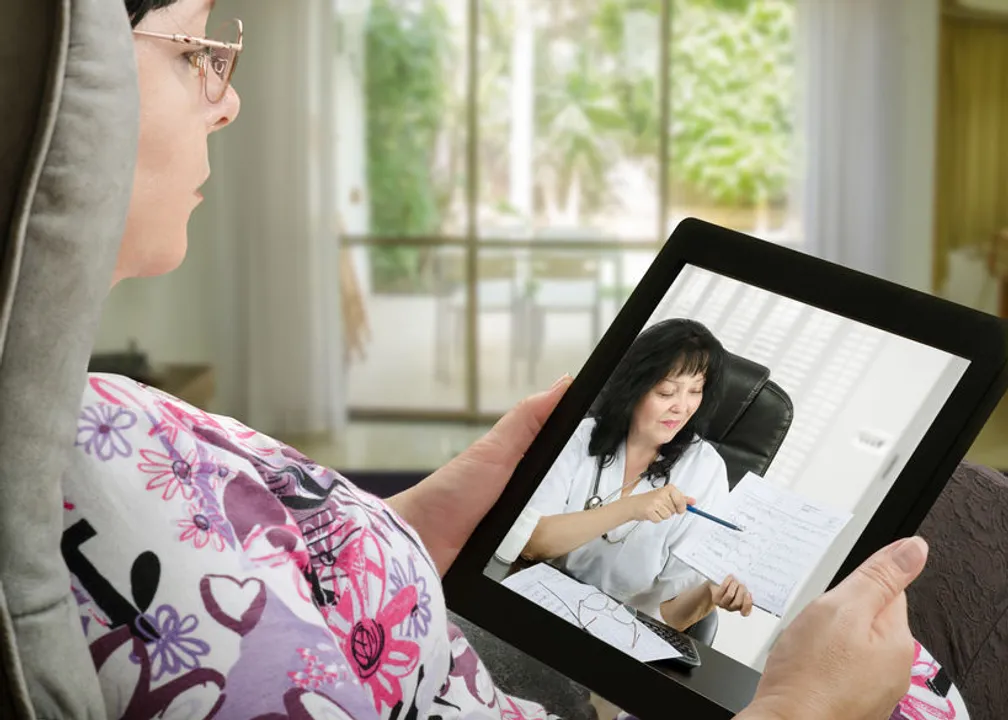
<point>190,40</point>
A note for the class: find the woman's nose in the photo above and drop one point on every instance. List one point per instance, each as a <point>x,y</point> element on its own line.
<point>225,112</point>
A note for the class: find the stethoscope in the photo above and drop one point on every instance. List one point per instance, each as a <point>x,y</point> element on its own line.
<point>596,501</point>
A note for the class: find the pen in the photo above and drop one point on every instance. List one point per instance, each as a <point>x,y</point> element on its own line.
<point>718,520</point>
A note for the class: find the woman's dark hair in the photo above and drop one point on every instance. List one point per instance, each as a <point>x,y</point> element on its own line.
<point>137,9</point>
<point>670,346</point>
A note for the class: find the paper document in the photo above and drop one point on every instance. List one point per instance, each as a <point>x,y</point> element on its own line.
<point>590,609</point>
<point>784,538</point>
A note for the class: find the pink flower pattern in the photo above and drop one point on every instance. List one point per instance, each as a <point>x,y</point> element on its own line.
<point>511,710</point>
<point>315,673</point>
<point>920,703</point>
<point>363,621</point>
<point>170,475</point>
<point>175,419</point>
<point>280,546</point>
<point>204,527</point>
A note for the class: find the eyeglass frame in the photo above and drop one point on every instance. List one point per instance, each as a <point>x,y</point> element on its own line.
<point>580,607</point>
<point>204,42</point>
<point>611,612</point>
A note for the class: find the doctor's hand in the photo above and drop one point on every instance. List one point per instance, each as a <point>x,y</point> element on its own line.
<point>848,654</point>
<point>731,595</point>
<point>445,507</point>
<point>657,505</point>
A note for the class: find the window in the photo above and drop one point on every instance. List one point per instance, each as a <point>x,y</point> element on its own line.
<point>510,168</point>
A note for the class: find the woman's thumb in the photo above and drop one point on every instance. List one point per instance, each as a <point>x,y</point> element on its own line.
<point>886,574</point>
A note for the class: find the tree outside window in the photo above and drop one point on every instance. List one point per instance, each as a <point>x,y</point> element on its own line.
<point>595,137</point>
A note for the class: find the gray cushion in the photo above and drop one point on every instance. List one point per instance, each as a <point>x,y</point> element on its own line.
<point>68,134</point>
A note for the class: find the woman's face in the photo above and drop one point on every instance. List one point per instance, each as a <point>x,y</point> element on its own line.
<point>175,121</point>
<point>667,407</point>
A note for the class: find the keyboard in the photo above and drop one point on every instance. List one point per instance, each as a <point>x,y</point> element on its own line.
<point>680,641</point>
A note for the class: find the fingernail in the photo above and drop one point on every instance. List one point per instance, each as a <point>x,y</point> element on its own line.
<point>910,554</point>
<point>562,380</point>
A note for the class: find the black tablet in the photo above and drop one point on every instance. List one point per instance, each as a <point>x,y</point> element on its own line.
<point>811,413</point>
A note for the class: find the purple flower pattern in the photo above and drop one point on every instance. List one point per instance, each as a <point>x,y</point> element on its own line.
<point>417,623</point>
<point>205,522</point>
<point>193,460</point>
<point>101,431</point>
<point>173,650</point>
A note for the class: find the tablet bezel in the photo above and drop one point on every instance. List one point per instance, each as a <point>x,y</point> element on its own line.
<point>725,686</point>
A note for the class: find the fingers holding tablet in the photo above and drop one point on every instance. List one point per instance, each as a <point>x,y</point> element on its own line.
<point>848,654</point>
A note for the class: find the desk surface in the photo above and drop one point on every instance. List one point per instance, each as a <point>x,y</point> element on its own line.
<point>719,677</point>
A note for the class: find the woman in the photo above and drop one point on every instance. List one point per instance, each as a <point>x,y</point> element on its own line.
<point>220,573</point>
<point>613,505</point>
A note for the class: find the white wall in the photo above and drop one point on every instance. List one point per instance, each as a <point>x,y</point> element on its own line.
<point>171,317</point>
<point>885,404</point>
<point>896,400</point>
<point>911,254</point>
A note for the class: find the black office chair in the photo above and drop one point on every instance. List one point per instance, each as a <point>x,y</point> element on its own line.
<point>752,420</point>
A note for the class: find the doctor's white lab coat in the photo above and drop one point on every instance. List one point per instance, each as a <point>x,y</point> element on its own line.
<point>635,564</point>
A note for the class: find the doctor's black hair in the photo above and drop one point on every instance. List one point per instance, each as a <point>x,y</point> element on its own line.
<point>138,9</point>
<point>676,345</point>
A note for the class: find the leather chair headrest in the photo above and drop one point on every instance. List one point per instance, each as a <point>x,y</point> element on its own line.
<point>743,380</point>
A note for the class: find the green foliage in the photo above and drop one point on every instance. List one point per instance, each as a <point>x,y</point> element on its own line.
<point>406,54</point>
<point>732,94</point>
<point>732,99</point>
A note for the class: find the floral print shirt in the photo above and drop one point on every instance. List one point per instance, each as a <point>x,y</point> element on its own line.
<point>221,573</point>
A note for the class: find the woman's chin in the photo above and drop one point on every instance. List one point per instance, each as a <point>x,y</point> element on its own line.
<point>162,263</point>
<point>664,438</point>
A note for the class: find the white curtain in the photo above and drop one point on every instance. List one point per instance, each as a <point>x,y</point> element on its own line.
<point>868,70</point>
<point>278,340</point>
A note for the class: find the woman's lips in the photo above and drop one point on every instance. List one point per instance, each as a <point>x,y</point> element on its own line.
<point>671,424</point>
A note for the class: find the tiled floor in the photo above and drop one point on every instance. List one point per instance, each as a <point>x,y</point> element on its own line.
<point>406,446</point>
<point>415,355</point>
<point>391,446</point>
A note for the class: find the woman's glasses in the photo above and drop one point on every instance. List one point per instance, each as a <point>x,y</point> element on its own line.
<point>215,58</point>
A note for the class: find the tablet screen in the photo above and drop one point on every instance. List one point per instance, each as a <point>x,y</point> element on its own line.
<point>784,424</point>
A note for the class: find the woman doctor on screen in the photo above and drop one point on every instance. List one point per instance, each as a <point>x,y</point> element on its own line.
<point>613,505</point>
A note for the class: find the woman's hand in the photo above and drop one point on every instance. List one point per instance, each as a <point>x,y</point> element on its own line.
<point>657,505</point>
<point>445,507</point>
<point>848,654</point>
<point>693,605</point>
<point>731,595</point>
